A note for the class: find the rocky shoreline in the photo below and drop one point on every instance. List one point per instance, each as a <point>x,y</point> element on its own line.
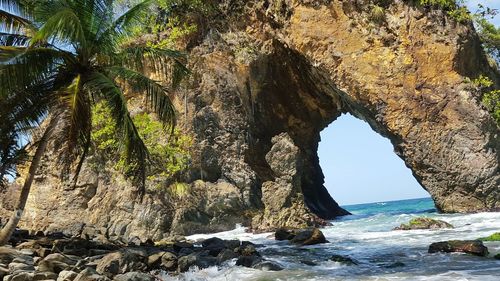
<point>36,256</point>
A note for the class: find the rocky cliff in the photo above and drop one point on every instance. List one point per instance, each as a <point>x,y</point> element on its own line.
<point>267,78</point>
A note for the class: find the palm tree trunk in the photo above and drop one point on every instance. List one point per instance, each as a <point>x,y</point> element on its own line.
<point>9,228</point>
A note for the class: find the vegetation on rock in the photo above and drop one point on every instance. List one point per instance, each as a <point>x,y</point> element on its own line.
<point>492,237</point>
<point>424,223</point>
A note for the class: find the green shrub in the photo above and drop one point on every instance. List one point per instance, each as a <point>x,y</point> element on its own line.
<point>492,237</point>
<point>377,13</point>
<point>168,153</point>
<point>491,100</point>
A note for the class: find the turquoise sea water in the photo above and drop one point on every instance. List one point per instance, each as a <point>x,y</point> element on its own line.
<point>367,237</point>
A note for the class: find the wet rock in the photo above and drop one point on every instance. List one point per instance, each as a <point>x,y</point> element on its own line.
<point>474,247</point>
<point>395,265</point>
<point>154,260</point>
<point>67,275</point>
<point>178,246</point>
<point>201,260</point>
<point>308,262</point>
<point>134,276</point>
<point>226,255</point>
<point>232,244</point>
<point>424,223</point>
<point>214,246</point>
<point>343,259</point>
<point>16,267</point>
<point>497,256</point>
<point>268,266</point>
<point>283,234</point>
<point>248,261</point>
<point>247,250</point>
<point>309,237</point>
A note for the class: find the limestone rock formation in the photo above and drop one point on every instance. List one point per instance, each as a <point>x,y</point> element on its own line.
<point>268,76</point>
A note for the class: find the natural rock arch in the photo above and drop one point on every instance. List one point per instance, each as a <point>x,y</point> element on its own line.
<point>265,82</point>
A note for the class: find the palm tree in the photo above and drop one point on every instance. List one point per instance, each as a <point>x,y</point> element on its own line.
<point>58,58</point>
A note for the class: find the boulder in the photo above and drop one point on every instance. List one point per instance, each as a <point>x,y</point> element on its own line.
<point>474,247</point>
<point>45,276</point>
<point>201,260</point>
<point>169,261</point>
<point>309,237</point>
<point>248,261</point>
<point>226,255</point>
<point>424,223</point>
<point>121,262</point>
<point>268,266</point>
<point>343,259</point>
<point>214,246</point>
<point>90,274</point>
<point>67,275</point>
<point>283,234</point>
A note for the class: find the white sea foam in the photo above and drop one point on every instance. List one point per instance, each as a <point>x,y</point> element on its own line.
<point>375,246</point>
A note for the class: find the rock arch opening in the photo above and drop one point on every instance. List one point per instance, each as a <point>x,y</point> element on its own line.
<point>360,166</point>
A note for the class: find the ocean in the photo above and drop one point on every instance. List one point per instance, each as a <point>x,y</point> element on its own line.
<point>367,237</point>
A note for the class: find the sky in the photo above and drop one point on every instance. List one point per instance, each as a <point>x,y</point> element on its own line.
<point>360,166</point>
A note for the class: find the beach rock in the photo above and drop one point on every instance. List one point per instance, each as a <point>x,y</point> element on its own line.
<point>283,234</point>
<point>134,276</point>
<point>424,223</point>
<point>214,246</point>
<point>20,276</point>
<point>169,261</point>
<point>309,237</point>
<point>120,262</point>
<point>268,266</point>
<point>45,276</point>
<point>343,259</point>
<point>248,261</point>
<point>226,255</point>
<point>474,247</point>
<point>201,260</point>
<point>67,275</point>
<point>180,245</point>
<point>90,274</point>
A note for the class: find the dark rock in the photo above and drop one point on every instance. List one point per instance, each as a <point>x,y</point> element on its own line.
<point>214,245</point>
<point>268,266</point>
<point>309,237</point>
<point>201,260</point>
<point>232,244</point>
<point>247,250</point>
<point>55,235</point>
<point>497,256</point>
<point>21,233</point>
<point>283,234</point>
<point>185,252</point>
<point>178,246</point>
<point>343,259</point>
<point>308,262</point>
<point>154,260</point>
<point>226,255</point>
<point>248,261</point>
<point>395,265</point>
<point>424,223</point>
<point>474,247</point>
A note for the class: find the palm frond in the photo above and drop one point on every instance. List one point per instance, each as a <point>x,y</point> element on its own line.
<point>63,27</point>
<point>132,144</point>
<point>22,67</point>
<point>13,17</point>
<point>10,39</point>
<point>157,95</point>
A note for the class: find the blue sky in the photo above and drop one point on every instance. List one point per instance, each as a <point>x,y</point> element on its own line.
<point>360,166</point>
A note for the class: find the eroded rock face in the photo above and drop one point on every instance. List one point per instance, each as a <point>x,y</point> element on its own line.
<point>273,75</point>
